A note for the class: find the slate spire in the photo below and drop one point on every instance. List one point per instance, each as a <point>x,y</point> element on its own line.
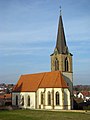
<point>61,45</point>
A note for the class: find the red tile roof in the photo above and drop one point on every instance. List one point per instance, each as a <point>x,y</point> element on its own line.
<point>31,82</point>
<point>1,96</point>
<point>5,96</point>
<point>86,93</point>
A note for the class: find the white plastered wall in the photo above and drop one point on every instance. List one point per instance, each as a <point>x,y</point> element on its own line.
<point>67,101</point>
<point>45,99</point>
<point>25,95</point>
<point>35,99</point>
<point>63,104</point>
<point>60,100</point>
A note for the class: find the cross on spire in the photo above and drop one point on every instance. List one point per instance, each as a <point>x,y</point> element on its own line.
<point>60,10</point>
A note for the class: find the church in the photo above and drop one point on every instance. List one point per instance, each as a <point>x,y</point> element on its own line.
<point>48,90</point>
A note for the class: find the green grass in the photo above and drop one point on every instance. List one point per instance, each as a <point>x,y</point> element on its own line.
<point>42,115</point>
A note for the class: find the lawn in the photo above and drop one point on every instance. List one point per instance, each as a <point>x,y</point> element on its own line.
<point>42,115</point>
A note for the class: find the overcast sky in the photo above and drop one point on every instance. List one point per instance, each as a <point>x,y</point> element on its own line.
<point>28,32</point>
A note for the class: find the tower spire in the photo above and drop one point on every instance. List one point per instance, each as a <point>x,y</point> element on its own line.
<point>61,41</point>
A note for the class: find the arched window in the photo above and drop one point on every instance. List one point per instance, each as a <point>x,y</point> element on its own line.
<point>16,100</point>
<point>28,101</point>
<point>49,98</point>
<point>56,64</point>
<point>41,97</point>
<point>57,98</point>
<point>22,100</point>
<point>66,64</point>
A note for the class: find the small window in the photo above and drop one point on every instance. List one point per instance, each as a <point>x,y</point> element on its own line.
<point>41,97</point>
<point>49,98</point>
<point>22,100</point>
<point>28,101</point>
<point>57,98</point>
<point>16,100</point>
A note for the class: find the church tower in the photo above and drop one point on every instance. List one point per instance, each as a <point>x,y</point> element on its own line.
<point>61,59</point>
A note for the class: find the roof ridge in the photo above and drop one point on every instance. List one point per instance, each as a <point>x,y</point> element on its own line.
<point>37,73</point>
